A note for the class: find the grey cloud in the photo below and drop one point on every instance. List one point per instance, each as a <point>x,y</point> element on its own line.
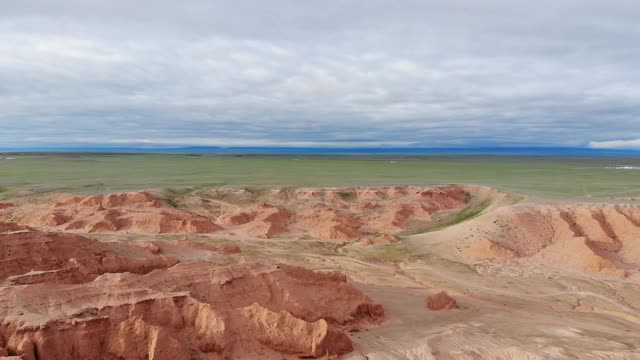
<point>423,73</point>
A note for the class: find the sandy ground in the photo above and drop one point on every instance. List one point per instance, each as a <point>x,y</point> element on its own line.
<point>532,280</point>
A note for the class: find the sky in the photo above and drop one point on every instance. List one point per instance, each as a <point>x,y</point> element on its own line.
<point>374,73</point>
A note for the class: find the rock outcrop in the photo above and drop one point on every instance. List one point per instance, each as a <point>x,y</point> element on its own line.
<point>380,239</point>
<point>341,215</point>
<point>595,238</point>
<point>30,256</point>
<point>6,205</point>
<point>125,212</point>
<point>441,301</point>
<point>67,296</point>
<point>263,220</point>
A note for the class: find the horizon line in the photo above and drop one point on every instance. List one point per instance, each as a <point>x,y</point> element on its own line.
<point>292,150</point>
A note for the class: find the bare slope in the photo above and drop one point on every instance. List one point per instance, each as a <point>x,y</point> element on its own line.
<point>595,238</point>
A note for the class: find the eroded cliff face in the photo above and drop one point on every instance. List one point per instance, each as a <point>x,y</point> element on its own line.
<point>30,256</point>
<point>341,215</point>
<point>66,296</point>
<point>125,212</point>
<point>594,238</point>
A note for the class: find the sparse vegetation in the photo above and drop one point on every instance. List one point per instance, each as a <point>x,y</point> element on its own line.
<point>347,195</point>
<point>440,262</point>
<point>255,192</point>
<point>387,252</point>
<point>468,213</point>
<point>173,196</point>
<point>296,247</point>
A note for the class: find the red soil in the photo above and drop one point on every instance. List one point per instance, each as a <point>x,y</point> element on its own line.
<point>66,296</point>
<point>6,205</point>
<point>29,256</point>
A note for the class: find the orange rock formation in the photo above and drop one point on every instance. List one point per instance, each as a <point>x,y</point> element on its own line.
<point>67,296</point>
<point>6,205</point>
<point>330,214</point>
<point>596,238</point>
<point>380,239</point>
<point>441,301</point>
<point>126,212</point>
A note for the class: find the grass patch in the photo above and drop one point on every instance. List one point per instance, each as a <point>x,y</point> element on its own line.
<point>515,198</point>
<point>255,192</point>
<point>387,252</point>
<point>4,192</point>
<point>252,195</point>
<point>347,195</point>
<point>440,262</point>
<point>468,213</point>
<point>296,247</point>
<point>173,196</point>
<point>93,187</point>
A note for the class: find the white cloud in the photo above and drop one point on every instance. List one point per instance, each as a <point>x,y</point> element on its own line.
<point>616,144</point>
<point>422,72</point>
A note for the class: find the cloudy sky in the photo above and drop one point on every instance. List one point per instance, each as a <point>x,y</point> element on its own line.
<point>424,73</point>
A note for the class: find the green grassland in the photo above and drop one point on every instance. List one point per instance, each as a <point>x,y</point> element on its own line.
<point>556,178</point>
<point>473,210</point>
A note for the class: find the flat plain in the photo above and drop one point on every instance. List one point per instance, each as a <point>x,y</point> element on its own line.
<point>600,178</point>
